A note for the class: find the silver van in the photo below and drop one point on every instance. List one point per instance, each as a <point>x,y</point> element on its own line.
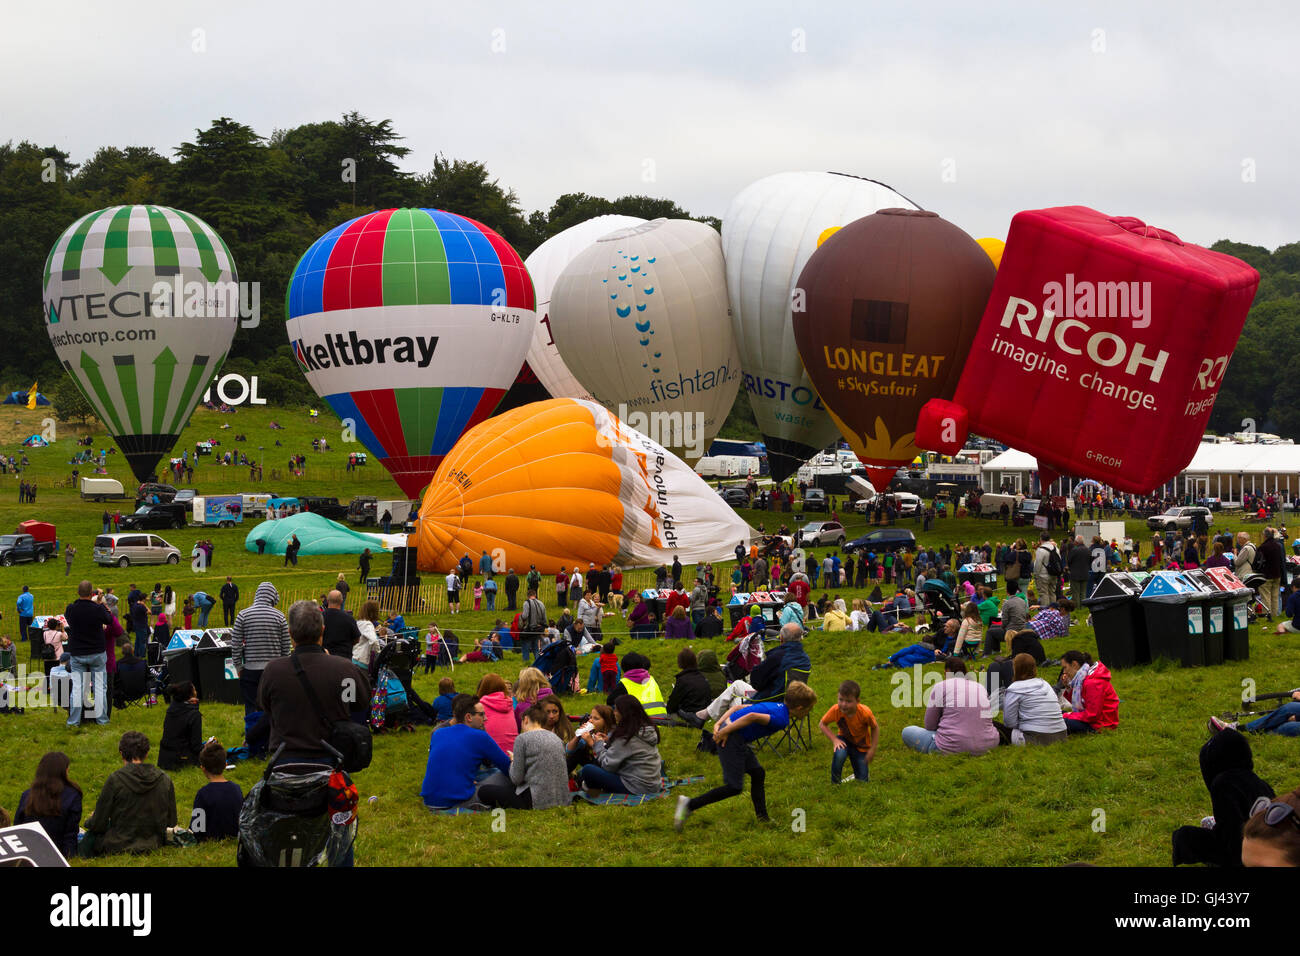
<point>125,550</point>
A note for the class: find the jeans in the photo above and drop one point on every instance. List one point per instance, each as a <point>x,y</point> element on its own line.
<point>96,666</point>
<point>491,600</point>
<point>204,611</point>
<point>920,739</point>
<point>249,681</point>
<point>697,617</point>
<point>854,756</point>
<point>1278,722</point>
<point>602,779</point>
<point>228,614</point>
<point>142,642</point>
<point>510,600</point>
<point>527,647</point>
<point>737,759</point>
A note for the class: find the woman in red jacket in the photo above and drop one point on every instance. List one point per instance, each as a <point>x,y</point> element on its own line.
<point>1092,699</point>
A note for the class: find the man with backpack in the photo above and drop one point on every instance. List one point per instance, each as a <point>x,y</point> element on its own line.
<point>532,621</point>
<point>1269,563</point>
<point>1047,569</point>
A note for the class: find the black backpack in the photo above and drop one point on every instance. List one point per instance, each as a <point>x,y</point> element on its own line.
<point>1053,563</point>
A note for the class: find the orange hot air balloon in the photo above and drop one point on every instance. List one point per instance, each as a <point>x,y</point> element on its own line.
<point>561,482</point>
<point>892,302</point>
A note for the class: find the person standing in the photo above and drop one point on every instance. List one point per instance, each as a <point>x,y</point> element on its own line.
<point>364,565</point>
<point>341,630</point>
<point>1270,551</point>
<point>512,589</point>
<point>342,587</point>
<point>260,635</point>
<point>386,521</point>
<point>1047,569</point>
<point>87,617</point>
<point>1078,562</point>
<point>26,613</point>
<point>453,591</point>
<point>229,599</point>
<point>105,520</point>
<point>68,554</point>
<point>532,621</point>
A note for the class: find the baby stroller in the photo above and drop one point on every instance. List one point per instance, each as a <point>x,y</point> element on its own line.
<point>558,662</point>
<point>299,814</point>
<point>938,602</point>
<point>1256,608</point>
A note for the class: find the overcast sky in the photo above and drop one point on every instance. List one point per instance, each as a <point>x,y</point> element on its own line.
<point>1182,114</point>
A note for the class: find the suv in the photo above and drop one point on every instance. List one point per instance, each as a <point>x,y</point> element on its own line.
<point>883,539</point>
<point>325,507</point>
<point>125,550</point>
<point>155,516</point>
<point>23,547</point>
<point>814,499</point>
<point>1179,519</point>
<point>144,494</point>
<point>185,496</point>
<point>819,533</point>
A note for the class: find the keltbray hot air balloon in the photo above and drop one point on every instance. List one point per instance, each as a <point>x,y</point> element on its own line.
<point>564,482</point>
<point>893,301</point>
<point>1107,340</point>
<point>768,234</point>
<point>412,324</point>
<point>141,304</point>
<point>641,319</point>
<point>545,265</point>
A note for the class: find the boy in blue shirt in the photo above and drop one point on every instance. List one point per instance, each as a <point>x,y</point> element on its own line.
<point>456,753</point>
<point>735,731</point>
<point>442,704</point>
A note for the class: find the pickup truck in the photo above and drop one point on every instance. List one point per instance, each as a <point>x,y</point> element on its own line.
<point>23,547</point>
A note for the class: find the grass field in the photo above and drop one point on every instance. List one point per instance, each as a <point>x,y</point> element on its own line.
<point>1110,799</point>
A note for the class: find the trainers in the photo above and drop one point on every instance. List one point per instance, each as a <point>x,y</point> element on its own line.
<point>1217,724</point>
<point>682,812</point>
<point>849,779</point>
<point>1207,823</point>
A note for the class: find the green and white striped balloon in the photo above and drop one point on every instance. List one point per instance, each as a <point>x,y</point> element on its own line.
<point>141,304</point>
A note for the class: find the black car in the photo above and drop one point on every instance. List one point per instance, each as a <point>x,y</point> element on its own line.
<point>883,539</point>
<point>155,517</point>
<point>325,507</point>
<point>734,496</point>
<point>145,493</point>
<point>814,499</point>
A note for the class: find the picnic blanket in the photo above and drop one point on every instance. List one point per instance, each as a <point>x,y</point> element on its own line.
<point>603,800</point>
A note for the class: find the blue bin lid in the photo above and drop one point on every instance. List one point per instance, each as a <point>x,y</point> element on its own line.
<point>1169,587</point>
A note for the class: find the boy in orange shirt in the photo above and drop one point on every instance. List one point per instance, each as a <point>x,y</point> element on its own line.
<point>856,735</point>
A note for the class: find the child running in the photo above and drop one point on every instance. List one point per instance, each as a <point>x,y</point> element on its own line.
<point>856,735</point>
<point>749,722</point>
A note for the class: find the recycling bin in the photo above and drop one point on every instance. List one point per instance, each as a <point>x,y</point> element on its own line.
<point>1119,620</point>
<point>769,602</point>
<point>1236,616</point>
<point>980,575</point>
<point>1215,603</point>
<point>178,656</point>
<point>1174,609</point>
<point>218,680</point>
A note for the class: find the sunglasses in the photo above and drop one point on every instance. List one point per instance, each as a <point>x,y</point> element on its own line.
<point>1276,812</point>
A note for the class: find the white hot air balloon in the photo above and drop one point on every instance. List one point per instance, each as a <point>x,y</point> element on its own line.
<point>545,265</point>
<point>768,234</point>
<point>641,319</point>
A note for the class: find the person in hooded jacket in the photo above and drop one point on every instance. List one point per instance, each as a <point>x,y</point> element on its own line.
<point>260,635</point>
<point>499,720</point>
<point>708,664</point>
<point>182,736</point>
<point>836,619</point>
<point>136,806</point>
<point>1093,701</point>
<point>768,677</point>
<point>1228,769</point>
<point>627,760</point>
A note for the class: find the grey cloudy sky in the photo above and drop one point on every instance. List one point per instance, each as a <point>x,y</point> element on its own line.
<point>1163,111</point>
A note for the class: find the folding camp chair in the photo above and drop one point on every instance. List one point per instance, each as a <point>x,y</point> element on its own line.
<point>797,736</point>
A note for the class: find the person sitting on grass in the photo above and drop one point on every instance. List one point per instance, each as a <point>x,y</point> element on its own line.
<point>748,722</point>
<point>856,734</point>
<point>557,722</point>
<point>1030,708</point>
<point>958,716</point>
<point>531,688</point>
<point>1271,837</point>
<point>442,704</point>
<point>691,690</point>
<point>53,801</point>
<point>626,760</point>
<point>1228,769</point>
<point>1052,621</point>
<point>579,747</point>
<point>539,779</point>
<point>456,752</point>
<point>1285,720</point>
<point>217,804</point>
<point>182,735</point>
<point>970,631</point>
<point>837,618</point>
<point>500,723</point>
<point>136,806</point>
<point>1292,609</point>
<point>1093,703</point>
<point>677,627</point>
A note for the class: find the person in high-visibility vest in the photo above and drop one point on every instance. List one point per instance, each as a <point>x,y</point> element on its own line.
<point>637,682</point>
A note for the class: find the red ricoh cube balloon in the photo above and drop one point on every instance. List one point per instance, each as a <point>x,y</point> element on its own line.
<point>1101,349</point>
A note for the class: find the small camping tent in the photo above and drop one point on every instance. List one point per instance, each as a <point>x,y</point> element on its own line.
<point>35,441</point>
<point>20,398</point>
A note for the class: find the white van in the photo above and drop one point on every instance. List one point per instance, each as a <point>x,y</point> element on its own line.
<point>101,489</point>
<point>255,505</point>
<point>991,504</point>
<point>125,550</point>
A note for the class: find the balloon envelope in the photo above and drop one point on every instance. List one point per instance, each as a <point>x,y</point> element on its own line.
<point>892,304</point>
<point>316,535</point>
<point>545,265</point>
<point>141,304</point>
<point>412,324</point>
<point>563,482</point>
<point>641,318</point>
<point>769,232</point>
